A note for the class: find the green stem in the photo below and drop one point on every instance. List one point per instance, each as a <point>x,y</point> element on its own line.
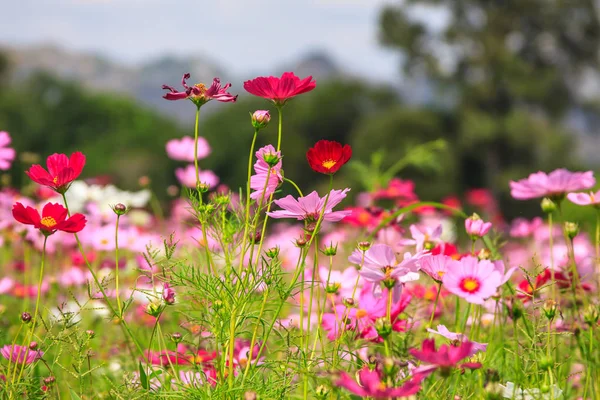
<point>437,297</point>
<point>117,267</point>
<point>196,147</point>
<point>294,185</point>
<point>280,115</point>
<point>247,212</point>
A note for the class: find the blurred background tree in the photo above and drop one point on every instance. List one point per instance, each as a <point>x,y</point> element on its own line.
<point>512,69</point>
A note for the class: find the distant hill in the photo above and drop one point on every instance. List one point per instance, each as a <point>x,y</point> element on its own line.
<point>143,82</point>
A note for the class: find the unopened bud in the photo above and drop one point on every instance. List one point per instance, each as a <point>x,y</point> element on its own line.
<point>571,229</point>
<point>349,302</point>
<point>176,337</point>
<point>321,392</point>
<point>49,380</point>
<point>590,315</point>
<point>250,395</point>
<point>254,237</point>
<point>260,119</point>
<point>272,159</point>
<point>26,317</point>
<point>90,333</point>
<point>217,305</point>
<point>364,246</point>
<point>332,288</point>
<point>203,187</point>
<point>545,363</point>
<point>548,206</point>
<point>33,345</point>
<point>383,327</point>
<point>154,309</point>
<point>330,250</point>
<point>484,254</point>
<point>120,209</point>
<point>301,242</point>
<point>273,252</point>
<point>549,309</point>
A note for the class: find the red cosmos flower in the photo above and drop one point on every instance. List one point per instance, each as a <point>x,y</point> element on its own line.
<point>327,157</point>
<point>198,93</point>
<point>445,358</point>
<point>61,171</point>
<point>279,90</point>
<point>53,218</point>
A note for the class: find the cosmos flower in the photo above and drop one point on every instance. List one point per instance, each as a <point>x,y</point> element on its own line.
<point>62,170</point>
<point>472,280</point>
<point>7,154</point>
<point>327,157</point>
<point>445,358</point>
<point>279,90</point>
<point>555,184</point>
<point>183,149</point>
<point>585,199</point>
<point>198,93</point>
<point>267,158</point>
<point>476,227</point>
<point>311,206</point>
<point>187,177</point>
<point>53,218</point>
<point>460,337</point>
<point>370,384</point>
<point>20,354</point>
<point>435,266</point>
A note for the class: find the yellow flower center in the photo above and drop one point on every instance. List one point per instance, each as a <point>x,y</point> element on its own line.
<point>361,313</point>
<point>48,222</point>
<point>470,285</point>
<point>328,163</point>
<point>364,217</point>
<point>441,273</point>
<point>55,180</point>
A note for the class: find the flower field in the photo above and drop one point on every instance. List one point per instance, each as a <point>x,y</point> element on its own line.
<point>254,293</point>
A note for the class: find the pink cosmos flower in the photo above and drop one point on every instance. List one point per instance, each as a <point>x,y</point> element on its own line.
<point>446,358</point>
<point>472,280</point>
<point>371,385</point>
<point>423,236</point>
<point>499,267</point>
<point>460,337</point>
<point>264,156</point>
<point>557,183</point>
<point>310,207</point>
<point>168,294</point>
<point>279,90</point>
<point>380,266</point>
<point>435,266</point>
<point>522,228</point>
<point>187,177</point>
<point>198,93</point>
<point>476,227</point>
<point>342,282</point>
<point>585,199</point>
<point>20,354</point>
<point>7,154</point>
<point>183,149</point>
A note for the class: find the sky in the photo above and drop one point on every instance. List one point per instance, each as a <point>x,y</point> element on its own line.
<point>242,36</point>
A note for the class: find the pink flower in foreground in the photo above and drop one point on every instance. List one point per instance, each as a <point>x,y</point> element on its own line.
<point>168,294</point>
<point>446,358</point>
<point>7,154</point>
<point>554,184</point>
<point>472,280</point>
<point>198,93</point>
<point>266,156</point>
<point>62,171</point>
<point>435,266</point>
<point>187,177</point>
<point>310,207</point>
<point>20,354</point>
<point>183,149</point>
<point>460,337</point>
<point>371,385</point>
<point>380,266</point>
<point>279,90</point>
<point>585,199</point>
<point>476,227</point>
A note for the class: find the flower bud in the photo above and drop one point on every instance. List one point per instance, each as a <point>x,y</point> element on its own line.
<point>484,254</point>
<point>550,307</point>
<point>349,302</point>
<point>250,395</point>
<point>91,334</point>
<point>590,315</point>
<point>476,227</point>
<point>120,209</point>
<point>33,345</point>
<point>321,392</point>
<point>301,242</point>
<point>217,305</point>
<point>203,187</point>
<point>383,327</point>
<point>273,252</point>
<point>176,337</point>
<point>330,250</point>
<point>272,159</point>
<point>515,309</point>
<point>332,288</point>
<point>154,309</point>
<point>49,380</point>
<point>545,362</point>
<point>364,246</point>
<point>548,206</point>
<point>571,229</point>
<point>260,119</point>
<point>254,237</point>
<point>26,317</point>
<point>168,294</point>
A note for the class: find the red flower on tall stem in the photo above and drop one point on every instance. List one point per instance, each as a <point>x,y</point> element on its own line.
<point>199,94</point>
<point>279,90</point>
<point>53,218</point>
<point>327,157</point>
<point>62,170</point>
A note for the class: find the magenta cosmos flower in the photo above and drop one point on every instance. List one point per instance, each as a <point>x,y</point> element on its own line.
<point>371,385</point>
<point>446,358</point>
<point>279,90</point>
<point>7,154</point>
<point>471,279</point>
<point>310,207</point>
<point>183,149</point>
<point>20,354</point>
<point>458,337</point>
<point>585,199</point>
<point>555,184</point>
<point>62,171</point>
<point>266,156</point>
<point>199,94</point>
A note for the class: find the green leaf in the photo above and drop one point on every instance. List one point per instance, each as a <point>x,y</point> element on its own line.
<point>143,376</point>
<point>74,395</point>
